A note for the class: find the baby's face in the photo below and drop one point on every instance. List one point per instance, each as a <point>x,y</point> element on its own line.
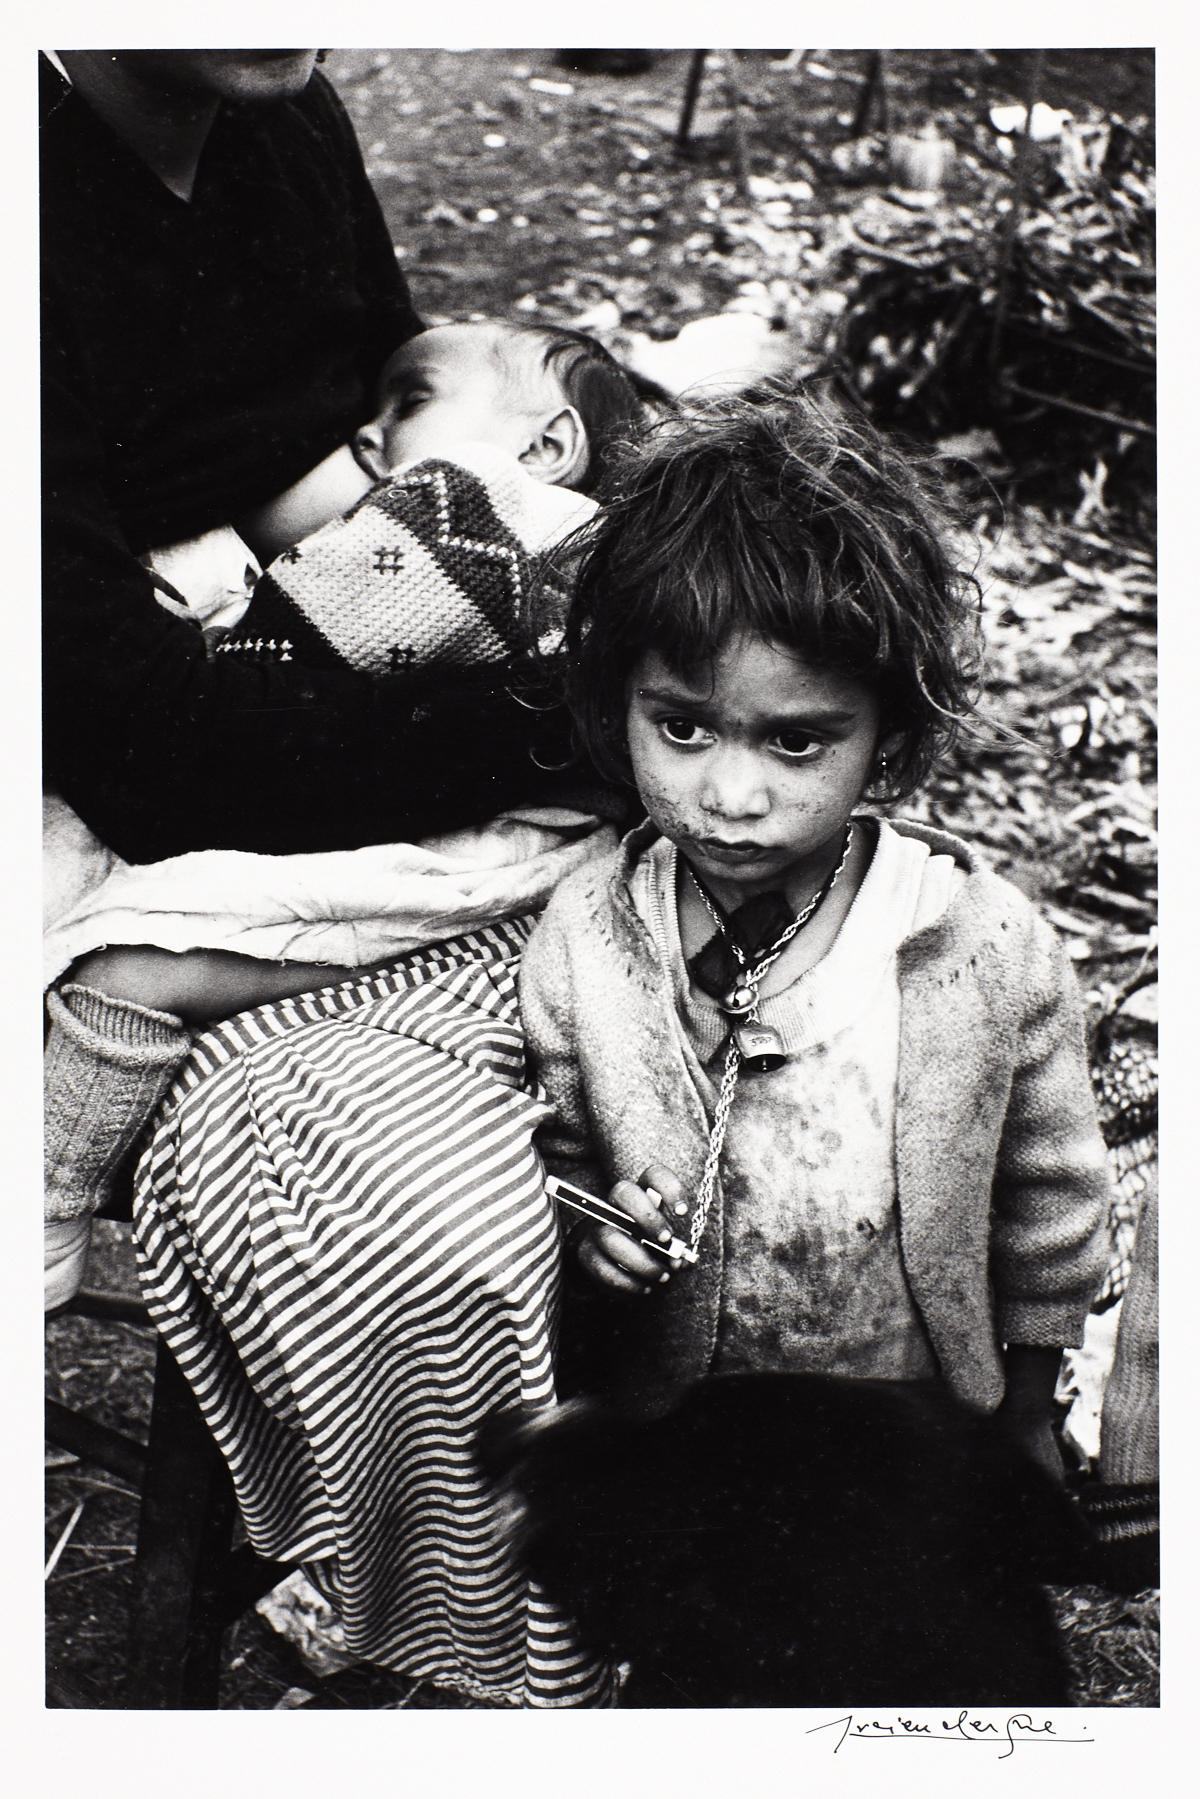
<point>446,386</point>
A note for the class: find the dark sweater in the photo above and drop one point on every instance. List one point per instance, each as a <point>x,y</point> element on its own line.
<point>198,357</point>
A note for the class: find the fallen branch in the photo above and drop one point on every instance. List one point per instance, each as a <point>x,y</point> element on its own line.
<point>61,1580</point>
<point>1087,412</point>
<point>56,1553</point>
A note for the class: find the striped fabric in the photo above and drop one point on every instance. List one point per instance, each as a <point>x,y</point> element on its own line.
<point>343,1235</point>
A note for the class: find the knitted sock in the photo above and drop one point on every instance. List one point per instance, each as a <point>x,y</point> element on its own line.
<point>107,1064</point>
<point>67,1243</point>
<point>1124,1528</point>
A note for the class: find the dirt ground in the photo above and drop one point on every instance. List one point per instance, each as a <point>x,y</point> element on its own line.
<point>498,191</point>
<point>513,183</point>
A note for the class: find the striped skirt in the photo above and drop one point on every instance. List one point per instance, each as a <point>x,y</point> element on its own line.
<point>343,1235</point>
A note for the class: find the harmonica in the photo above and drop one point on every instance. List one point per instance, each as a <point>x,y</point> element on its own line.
<point>600,1211</point>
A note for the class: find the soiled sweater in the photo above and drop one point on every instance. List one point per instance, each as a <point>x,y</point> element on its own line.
<point>814,1279</point>
<point>1001,1184</point>
<point>198,357</point>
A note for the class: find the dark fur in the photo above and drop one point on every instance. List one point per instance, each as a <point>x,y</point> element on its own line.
<point>798,1540</point>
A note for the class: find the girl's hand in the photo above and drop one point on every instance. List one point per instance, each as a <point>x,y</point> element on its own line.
<point>656,1203</point>
<point>1036,1437</point>
<point>1027,1409</point>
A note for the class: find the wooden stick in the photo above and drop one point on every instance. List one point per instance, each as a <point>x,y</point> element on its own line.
<point>695,76</point>
<point>1008,234</point>
<point>874,84</point>
<point>741,165</point>
<point>1087,412</point>
<point>64,1539</point>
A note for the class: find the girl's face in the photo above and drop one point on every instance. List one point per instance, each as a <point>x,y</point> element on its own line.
<point>752,765</point>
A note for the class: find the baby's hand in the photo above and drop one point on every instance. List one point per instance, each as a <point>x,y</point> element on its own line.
<point>656,1203</point>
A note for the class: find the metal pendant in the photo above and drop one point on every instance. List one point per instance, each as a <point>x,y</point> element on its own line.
<point>759,1047</point>
<point>740,1001</point>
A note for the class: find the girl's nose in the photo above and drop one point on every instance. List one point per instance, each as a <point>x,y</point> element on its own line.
<point>734,786</point>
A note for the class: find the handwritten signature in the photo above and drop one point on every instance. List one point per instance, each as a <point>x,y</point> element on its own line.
<point>1016,1727</point>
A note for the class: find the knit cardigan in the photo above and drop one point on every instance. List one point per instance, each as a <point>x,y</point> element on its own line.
<point>1000,1169</point>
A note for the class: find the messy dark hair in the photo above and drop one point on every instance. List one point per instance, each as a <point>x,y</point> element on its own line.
<point>781,513</point>
<point>596,385</point>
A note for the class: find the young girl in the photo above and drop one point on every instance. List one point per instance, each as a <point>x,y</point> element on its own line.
<point>831,1057</point>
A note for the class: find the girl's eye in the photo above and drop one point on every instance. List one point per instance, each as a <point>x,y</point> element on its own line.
<point>796,744</point>
<point>683,731</point>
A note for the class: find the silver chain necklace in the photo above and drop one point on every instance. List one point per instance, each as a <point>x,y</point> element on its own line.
<point>750,1041</point>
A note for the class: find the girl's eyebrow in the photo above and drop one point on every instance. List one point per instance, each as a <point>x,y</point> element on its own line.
<point>827,718</point>
<point>670,695</point>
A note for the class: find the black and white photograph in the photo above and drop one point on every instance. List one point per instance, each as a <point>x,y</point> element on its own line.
<point>599,726</point>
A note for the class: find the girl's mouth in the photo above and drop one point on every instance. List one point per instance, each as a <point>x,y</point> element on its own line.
<point>716,849</point>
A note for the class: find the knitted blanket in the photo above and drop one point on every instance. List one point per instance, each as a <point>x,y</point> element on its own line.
<point>432,569</point>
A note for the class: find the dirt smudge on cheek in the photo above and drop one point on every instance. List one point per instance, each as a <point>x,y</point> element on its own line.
<point>671,820</point>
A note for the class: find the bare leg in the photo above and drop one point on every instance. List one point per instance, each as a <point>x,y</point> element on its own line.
<point>199,985</point>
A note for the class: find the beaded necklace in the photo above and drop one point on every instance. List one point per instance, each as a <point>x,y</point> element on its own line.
<point>750,1041</point>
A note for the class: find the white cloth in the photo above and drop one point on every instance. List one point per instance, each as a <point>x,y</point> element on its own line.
<point>346,908</point>
<point>213,578</point>
<point>67,1243</point>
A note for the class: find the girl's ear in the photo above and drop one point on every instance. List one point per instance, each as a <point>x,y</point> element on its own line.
<point>558,450</point>
<point>886,751</point>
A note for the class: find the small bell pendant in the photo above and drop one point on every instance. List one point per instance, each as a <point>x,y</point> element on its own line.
<point>759,1047</point>
<point>740,1001</point>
